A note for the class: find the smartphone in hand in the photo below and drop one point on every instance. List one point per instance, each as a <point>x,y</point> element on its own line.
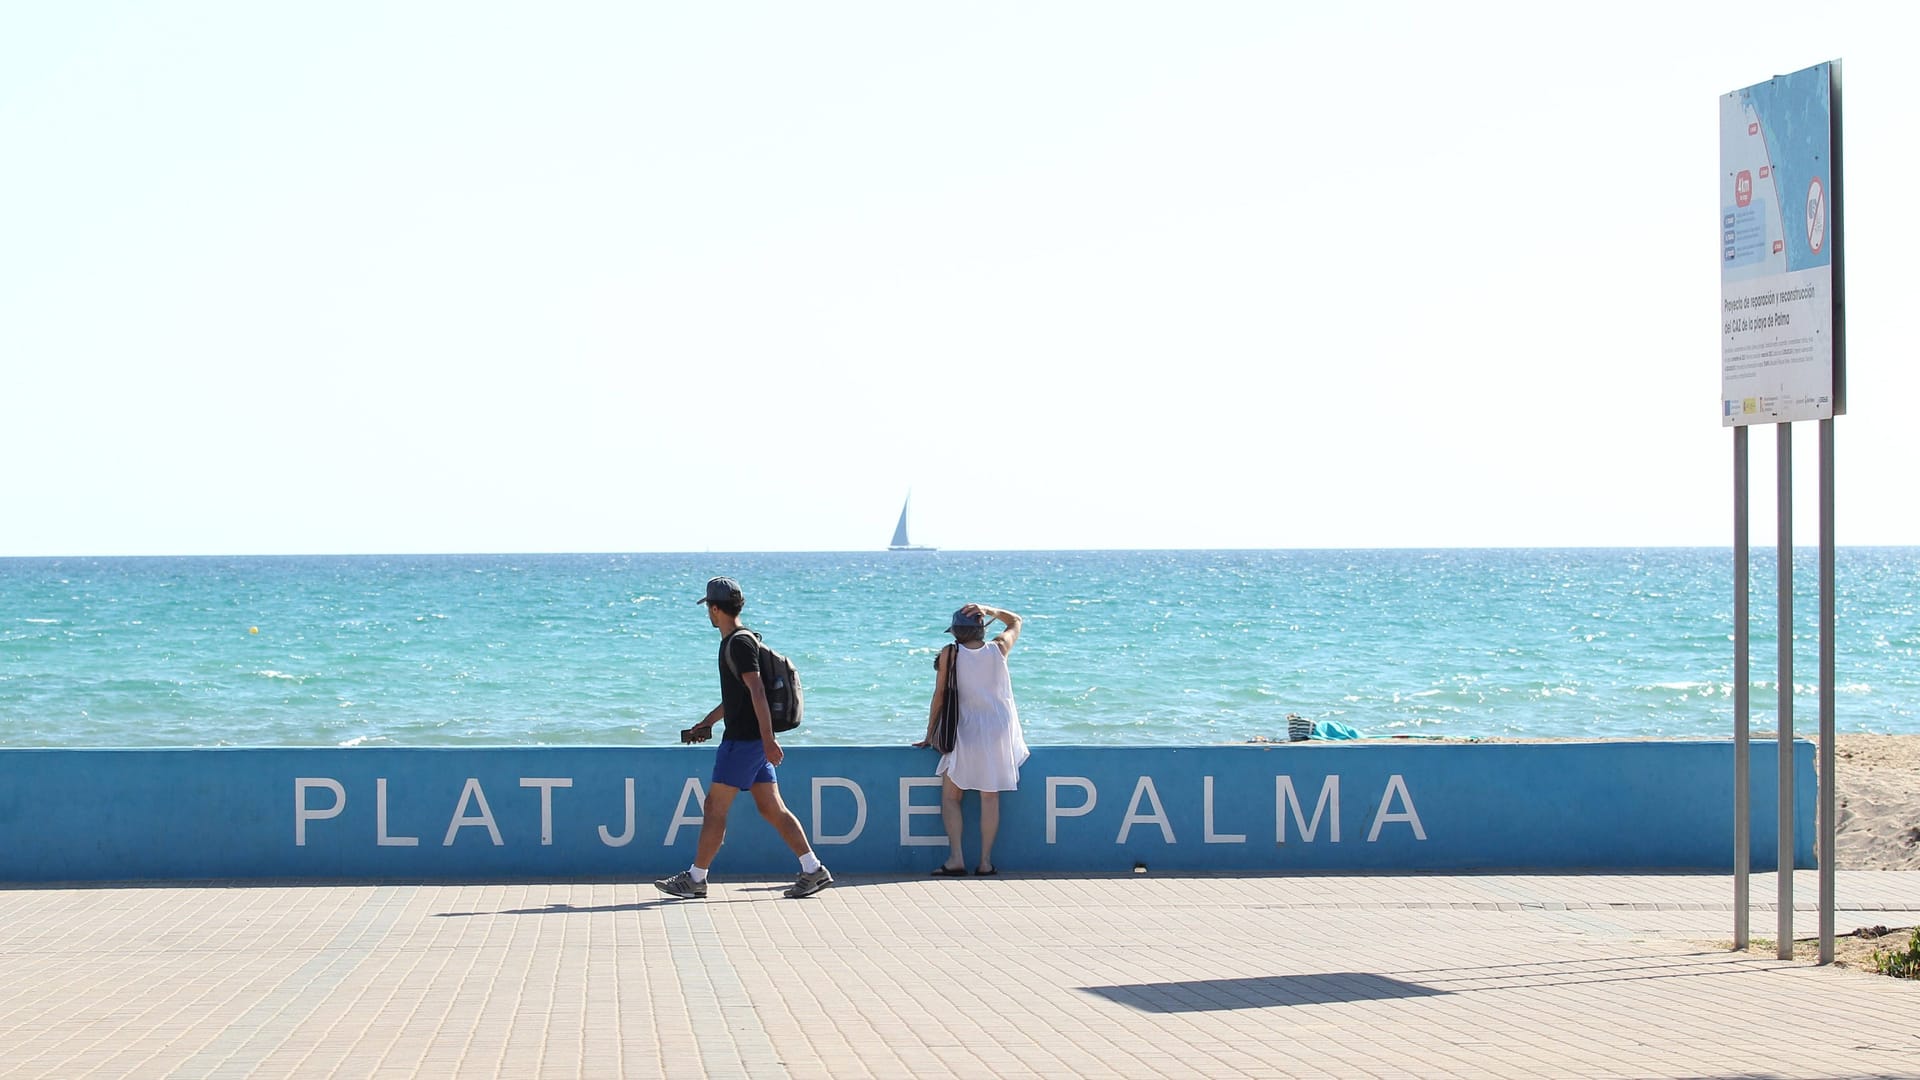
<point>695,735</point>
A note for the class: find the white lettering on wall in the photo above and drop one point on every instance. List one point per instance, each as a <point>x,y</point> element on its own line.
<point>693,791</point>
<point>820,833</point>
<point>624,838</point>
<point>380,837</point>
<point>1144,789</point>
<point>1409,815</point>
<point>1055,811</point>
<point>1285,799</point>
<point>1209,835</point>
<point>846,825</point>
<point>546,784</point>
<point>908,810</point>
<point>302,815</point>
<point>472,792</point>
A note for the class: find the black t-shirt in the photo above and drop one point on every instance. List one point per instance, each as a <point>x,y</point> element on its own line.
<point>736,700</point>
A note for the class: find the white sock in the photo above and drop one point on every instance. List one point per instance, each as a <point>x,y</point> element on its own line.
<point>699,875</point>
<point>809,863</point>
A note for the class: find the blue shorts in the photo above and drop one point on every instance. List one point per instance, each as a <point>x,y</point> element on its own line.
<point>742,763</point>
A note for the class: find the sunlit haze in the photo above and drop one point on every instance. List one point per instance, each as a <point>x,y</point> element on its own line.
<point>445,277</point>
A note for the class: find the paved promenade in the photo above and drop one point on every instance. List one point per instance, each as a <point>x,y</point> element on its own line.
<point>1137,975</point>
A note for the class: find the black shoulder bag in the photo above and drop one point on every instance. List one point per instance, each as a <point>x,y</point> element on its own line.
<point>948,722</point>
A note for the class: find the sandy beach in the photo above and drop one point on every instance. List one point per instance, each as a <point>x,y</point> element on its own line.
<point>1879,802</point>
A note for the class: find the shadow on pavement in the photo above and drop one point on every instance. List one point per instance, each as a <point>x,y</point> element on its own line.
<point>1213,995</point>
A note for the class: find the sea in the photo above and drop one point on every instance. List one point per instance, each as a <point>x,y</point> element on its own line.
<point>1116,647</point>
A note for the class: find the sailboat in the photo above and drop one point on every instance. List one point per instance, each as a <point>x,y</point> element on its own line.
<point>900,542</point>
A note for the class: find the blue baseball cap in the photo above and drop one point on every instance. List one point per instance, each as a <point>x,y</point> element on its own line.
<point>722,590</point>
<point>963,620</point>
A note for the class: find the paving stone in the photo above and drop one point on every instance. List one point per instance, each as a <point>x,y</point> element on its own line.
<point>1044,975</point>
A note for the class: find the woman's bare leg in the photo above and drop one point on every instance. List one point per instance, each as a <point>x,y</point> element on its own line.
<point>950,817</point>
<point>989,826</point>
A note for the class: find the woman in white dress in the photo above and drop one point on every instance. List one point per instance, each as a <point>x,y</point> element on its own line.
<point>988,748</point>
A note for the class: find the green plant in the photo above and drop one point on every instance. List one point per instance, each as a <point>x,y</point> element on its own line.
<point>1900,963</point>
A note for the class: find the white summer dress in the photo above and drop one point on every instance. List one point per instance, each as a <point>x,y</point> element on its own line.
<point>988,748</point>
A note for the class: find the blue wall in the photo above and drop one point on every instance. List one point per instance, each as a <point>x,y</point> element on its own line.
<point>93,815</point>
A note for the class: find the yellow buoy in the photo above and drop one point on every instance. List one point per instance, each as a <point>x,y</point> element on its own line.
<point>253,629</point>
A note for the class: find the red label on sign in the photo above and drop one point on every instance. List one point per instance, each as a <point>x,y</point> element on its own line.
<point>1743,188</point>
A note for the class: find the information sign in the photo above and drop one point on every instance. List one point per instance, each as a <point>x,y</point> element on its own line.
<point>1780,353</point>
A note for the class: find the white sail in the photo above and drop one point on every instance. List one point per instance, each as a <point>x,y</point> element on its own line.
<point>900,541</point>
<point>900,530</point>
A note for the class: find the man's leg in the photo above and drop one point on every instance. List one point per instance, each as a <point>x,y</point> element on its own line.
<point>766,797</point>
<point>691,883</point>
<point>813,874</point>
<point>713,823</point>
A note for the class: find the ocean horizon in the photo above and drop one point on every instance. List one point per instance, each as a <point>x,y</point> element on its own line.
<point>1120,646</point>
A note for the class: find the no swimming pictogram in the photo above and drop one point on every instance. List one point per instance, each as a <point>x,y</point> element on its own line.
<point>1816,215</point>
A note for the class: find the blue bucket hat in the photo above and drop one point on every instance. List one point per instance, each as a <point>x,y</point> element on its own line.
<point>962,620</point>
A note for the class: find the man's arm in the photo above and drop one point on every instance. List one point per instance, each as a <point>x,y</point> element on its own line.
<point>704,729</point>
<point>760,710</point>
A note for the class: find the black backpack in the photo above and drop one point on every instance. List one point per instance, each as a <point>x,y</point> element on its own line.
<point>780,681</point>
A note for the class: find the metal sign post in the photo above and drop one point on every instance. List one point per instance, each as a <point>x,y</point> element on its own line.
<point>1828,825</point>
<point>1742,682</point>
<point>1782,359</point>
<point>1783,867</point>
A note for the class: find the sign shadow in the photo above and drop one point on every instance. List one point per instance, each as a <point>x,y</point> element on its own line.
<point>1215,995</point>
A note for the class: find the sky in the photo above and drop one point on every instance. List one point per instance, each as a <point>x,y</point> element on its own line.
<point>455,277</point>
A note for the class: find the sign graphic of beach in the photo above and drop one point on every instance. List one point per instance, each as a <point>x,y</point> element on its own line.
<point>1749,204</point>
<point>1774,142</point>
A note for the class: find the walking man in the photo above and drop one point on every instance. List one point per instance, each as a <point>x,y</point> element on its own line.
<point>747,756</point>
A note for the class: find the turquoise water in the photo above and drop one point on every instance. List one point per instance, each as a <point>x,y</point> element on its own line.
<point>1166,648</point>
